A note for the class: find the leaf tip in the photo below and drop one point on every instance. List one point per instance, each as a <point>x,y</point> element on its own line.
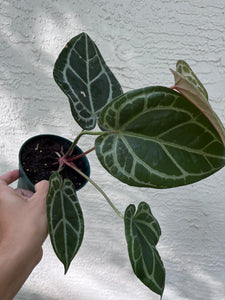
<point>66,268</point>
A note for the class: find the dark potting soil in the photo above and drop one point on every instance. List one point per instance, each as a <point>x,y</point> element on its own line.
<point>39,159</point>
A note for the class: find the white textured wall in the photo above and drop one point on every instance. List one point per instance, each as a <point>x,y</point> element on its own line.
<point>139,40</point>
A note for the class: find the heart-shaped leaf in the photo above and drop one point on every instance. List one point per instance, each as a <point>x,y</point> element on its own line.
<point>65,219</point>
<point>155,137</point>
<point>187,83</point>
<point>82,74</point>
<point>142,234</point>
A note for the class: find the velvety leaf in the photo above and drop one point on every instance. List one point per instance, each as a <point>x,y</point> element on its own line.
<point>82,74</point>
<point>155,137</point>
<point>142,234</point>
<point>65,219</point>
<point>187,83</point>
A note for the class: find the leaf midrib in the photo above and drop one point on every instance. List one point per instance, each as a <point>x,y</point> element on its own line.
<point>155,171</point>
<point>64,225</point>
<point>91,111</point>
<point>155,109</point>
<point>88,76</point>
<point>152,247</point>
<point>123,134</point>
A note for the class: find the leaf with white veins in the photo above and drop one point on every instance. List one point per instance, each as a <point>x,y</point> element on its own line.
<point>82,74</point>
<point>142,234</point>
<point>65,219</point>
<point>155,137</point>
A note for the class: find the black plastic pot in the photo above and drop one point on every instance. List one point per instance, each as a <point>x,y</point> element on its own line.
<point>47,148</point>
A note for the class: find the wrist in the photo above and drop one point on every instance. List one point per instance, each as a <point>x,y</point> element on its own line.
<point>19,253</point>
<point>15,268</point>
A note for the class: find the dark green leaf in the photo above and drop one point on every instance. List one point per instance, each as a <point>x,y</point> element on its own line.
<point>65,219</point>
<point>142,234</point>
<point>155,137</point>
<point>82,74</point>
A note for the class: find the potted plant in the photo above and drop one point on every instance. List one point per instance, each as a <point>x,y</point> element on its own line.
<point>154,137</point>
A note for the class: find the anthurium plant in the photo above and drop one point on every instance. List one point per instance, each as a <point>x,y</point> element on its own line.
<point>156,137</point>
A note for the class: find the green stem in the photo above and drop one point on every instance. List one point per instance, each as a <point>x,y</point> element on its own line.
<point>71,165</point>
<point>69,152</point>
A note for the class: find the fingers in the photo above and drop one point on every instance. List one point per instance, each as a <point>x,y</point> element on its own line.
<point>9,177</point>
<point>41,189</point>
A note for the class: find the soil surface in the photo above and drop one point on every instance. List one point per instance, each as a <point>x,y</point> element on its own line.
<point>39,160</point>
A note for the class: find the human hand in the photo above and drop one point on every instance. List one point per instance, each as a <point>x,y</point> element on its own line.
<point>23,229</point>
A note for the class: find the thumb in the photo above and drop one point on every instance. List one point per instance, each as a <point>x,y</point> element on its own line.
<point>41,190</point>
<point>42,187</point>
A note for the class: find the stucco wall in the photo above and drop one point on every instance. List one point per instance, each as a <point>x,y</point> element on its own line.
<point>140,40</point>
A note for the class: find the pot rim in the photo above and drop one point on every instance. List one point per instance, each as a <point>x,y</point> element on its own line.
<point>24,176</point>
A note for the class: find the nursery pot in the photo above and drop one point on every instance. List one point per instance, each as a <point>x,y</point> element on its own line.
<point>38,158</point>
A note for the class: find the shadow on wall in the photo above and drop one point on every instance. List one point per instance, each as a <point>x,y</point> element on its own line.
<point>28,295</point>
<point>25,57</point>
<point>26,83</point>
<point>4,166</point>
<point>194,243</point>
<point>27,60</point>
